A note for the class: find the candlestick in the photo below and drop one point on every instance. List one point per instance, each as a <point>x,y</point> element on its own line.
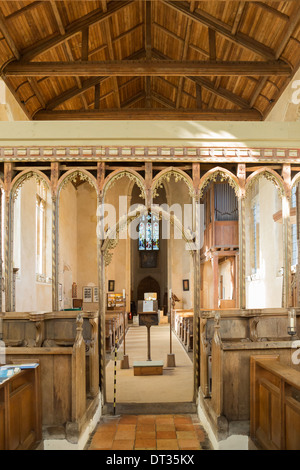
<point>292,322</point>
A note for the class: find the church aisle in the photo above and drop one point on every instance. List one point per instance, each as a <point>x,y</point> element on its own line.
<point>174,386</point>
<point>149,432</point>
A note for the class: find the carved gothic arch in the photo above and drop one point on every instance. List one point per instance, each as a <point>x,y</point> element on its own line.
<point>295,180</point>
<point>270,175</point>
<point>133,175</point>
<point>72,175</point>
<point>24,176</point>
<point>165,175</point>
<point>112,235</point>
<point>224,174</point>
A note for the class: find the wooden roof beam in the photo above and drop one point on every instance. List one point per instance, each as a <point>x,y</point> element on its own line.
<point>107,27</point>
<point>148,48</point>
<point>238,17</point>
<point>183,57</point>
<point>152,114</point>
<point>219,27</point>
<point>134,99</point>
<point>222,92</point>
<point>146,68</point>
<point>163,100</point>
<point>23,10</point>
<point>57,16</point>
<point>6,34</point>
<point>86,85</point>
<point>288,31</point>
<point>270,9</point>
<point>32,80</point>
<point>216,90</point>
<point>74,28</point>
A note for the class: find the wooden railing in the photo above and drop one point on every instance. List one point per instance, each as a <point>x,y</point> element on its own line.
<point>274,404</point>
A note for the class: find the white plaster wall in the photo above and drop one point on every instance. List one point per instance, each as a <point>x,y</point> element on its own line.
<point>119,268</point>
<point>182,263</point>
<point>30,294</point>
<point>265,291</point>
<point>87,274</point>
<point>10,110</point>
<point>26,281</point>
<point>67,243</point>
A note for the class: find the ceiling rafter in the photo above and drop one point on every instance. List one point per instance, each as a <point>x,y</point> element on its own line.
<point>6,34</point>
<point>66,46</point>
<point>148,48</point>
<point>86,85</point>
<point>238,17</point>
<point>143,68</point>
<point>219,27</point>
<point>197,29</point>
<point>217,91</point>
<point>31,80</point>
<point>108,35</point>
<point>73,29</point>
<point>150,114</point>
<point>184,54</point>
<point>272,10</point>
<point>288,31</point>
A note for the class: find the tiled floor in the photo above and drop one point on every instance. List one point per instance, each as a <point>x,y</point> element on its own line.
<point>145,432</point>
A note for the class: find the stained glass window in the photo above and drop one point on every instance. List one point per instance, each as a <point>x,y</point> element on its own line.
<point>149,232</point>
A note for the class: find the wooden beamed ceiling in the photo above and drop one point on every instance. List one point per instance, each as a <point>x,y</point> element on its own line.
<point>149,59</point>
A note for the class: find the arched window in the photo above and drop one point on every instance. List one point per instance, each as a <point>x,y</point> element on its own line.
<point>149,232</point>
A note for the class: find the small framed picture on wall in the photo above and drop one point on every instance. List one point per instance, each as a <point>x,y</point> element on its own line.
<point>111,286</point>
<point>87,294</point>
<point>186,284</point>
<point>95,294</point>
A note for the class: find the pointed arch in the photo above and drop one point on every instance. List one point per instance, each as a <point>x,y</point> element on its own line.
<point>24,176</point>
<point>73,174</point>
<point>112,236</point>
<point>165,175</point>
<point>133,175</point>
<point>224,174</point>
<point>295,180</point>
<point>270,175</point>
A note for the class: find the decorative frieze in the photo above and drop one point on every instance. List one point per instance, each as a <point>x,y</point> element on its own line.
<point>153,153</point>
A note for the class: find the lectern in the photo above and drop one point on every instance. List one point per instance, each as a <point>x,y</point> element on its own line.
<point>148,316</point>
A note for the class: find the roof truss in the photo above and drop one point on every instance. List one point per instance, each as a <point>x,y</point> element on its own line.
<point>174,86</point>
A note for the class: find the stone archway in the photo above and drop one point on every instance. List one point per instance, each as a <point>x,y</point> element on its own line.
<point>148,284</point>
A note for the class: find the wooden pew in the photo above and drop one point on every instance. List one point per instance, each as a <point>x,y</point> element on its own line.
<point>228,339</point>
<point>66,348</point>
<point>116,328</point>
<point>183,327</point>
<point>277,387</point>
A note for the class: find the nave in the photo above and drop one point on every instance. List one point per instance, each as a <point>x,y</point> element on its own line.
<point>138,420</point>
<point>174,386</point>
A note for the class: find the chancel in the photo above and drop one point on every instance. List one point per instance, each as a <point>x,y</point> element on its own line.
<point>150,225</point>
